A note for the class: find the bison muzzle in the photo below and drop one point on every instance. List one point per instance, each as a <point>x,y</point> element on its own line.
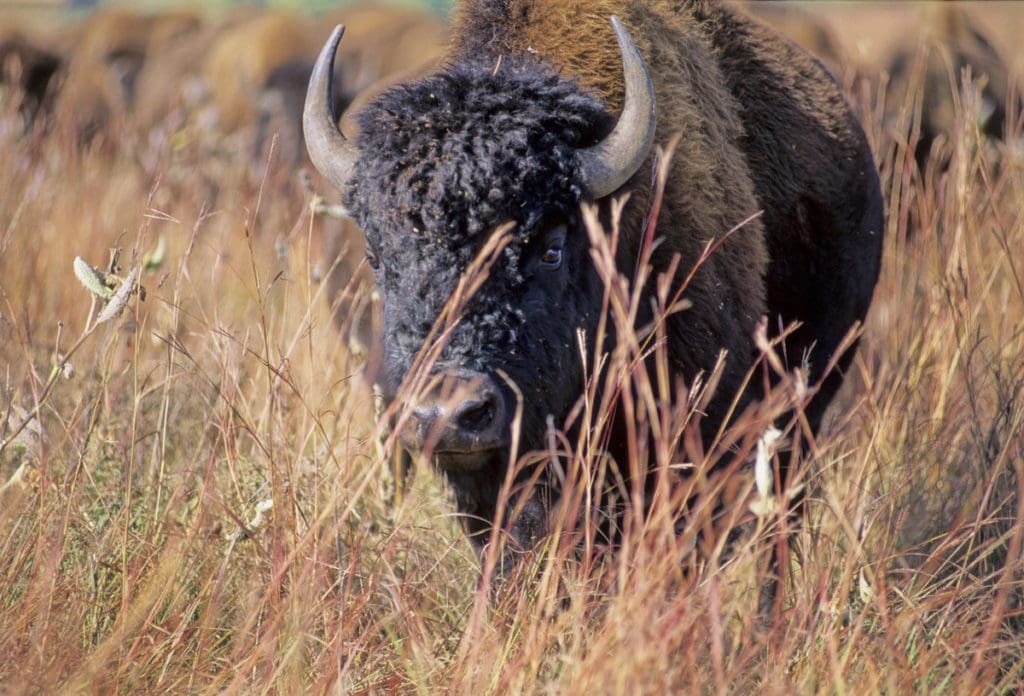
<point>461,420</point>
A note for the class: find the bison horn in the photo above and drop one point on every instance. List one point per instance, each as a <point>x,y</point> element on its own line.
<point>609,164</point>
<point>331,152</point>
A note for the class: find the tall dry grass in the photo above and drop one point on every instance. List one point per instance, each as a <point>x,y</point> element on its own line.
<point>197,496</point>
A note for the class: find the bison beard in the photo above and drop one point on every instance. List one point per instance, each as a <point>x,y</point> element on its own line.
<point>508,132</point>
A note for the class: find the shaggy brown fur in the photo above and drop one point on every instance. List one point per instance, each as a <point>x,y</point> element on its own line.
<point>803,28</point>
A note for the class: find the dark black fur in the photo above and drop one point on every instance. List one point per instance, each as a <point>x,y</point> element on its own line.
<point>821,197</point>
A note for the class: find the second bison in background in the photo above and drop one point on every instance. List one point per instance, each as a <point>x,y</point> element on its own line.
<point>538,110</point>
<point>951,43</point>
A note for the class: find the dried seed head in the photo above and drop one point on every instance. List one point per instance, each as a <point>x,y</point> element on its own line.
<point>120,299</point>
<point>764,476</point>
<point>94,281</point>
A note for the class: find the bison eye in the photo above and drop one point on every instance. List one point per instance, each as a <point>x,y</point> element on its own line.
<point>554,241</point>
<point>552,257</point>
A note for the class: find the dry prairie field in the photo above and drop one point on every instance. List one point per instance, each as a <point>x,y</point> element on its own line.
<point>198,493</point>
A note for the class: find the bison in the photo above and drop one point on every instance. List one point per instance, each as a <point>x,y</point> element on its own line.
<point>417,37</point>
<point>106,53</point>
<point>244,56</point>
<point>27,70</point>
<point>170,88</point>
<point>951,42</point>
<point>544,105</point>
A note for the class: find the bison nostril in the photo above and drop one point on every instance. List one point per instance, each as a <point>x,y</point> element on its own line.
<point>476,416</point>
<point>462,415</point>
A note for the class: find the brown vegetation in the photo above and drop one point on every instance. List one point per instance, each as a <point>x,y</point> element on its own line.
<point>194,496</point>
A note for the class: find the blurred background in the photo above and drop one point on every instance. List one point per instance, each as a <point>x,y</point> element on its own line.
<point>37,6</point>
<point>91,64</point>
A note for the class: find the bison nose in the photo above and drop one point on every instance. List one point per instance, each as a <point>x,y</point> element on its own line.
<point>463,414</point>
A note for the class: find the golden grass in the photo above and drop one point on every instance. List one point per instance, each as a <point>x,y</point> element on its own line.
<point>205,502</point>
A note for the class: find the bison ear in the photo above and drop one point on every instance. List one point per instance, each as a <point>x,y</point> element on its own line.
<point>610,164</point>
<point>331,152</point>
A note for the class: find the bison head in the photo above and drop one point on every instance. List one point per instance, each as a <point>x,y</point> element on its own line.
<point>441,164</point>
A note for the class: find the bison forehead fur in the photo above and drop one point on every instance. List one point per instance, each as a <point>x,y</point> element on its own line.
<point>449,158</point>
